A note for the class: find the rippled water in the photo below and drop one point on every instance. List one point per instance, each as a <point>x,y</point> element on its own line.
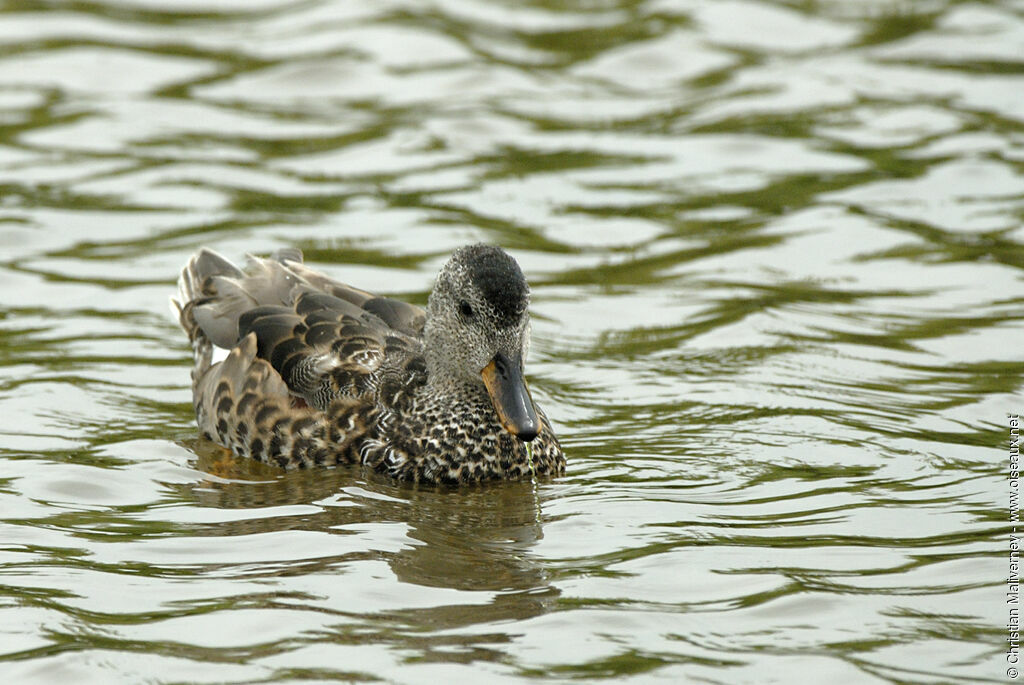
<point>776,255</point>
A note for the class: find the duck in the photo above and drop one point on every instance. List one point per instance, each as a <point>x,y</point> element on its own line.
<point>298,370</point>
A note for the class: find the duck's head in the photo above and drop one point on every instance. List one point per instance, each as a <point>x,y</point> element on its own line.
<point>477,332</point>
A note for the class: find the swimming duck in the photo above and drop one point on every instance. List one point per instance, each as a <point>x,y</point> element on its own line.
<point>320,373</point>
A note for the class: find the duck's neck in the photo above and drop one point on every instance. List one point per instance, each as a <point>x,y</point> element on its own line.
<point>455,387</point>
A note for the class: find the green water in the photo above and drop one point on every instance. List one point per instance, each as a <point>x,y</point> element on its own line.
<point>776,257</point>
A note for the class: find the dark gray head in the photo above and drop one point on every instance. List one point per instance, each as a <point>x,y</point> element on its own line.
<point>478,331</point>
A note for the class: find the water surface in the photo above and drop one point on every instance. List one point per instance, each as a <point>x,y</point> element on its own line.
<point>776,257</point>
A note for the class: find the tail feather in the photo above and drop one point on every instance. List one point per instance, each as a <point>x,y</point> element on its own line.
<point>193,287</point>
<point>220,292</point>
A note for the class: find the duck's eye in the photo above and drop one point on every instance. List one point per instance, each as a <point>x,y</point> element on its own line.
<point>465,309</point>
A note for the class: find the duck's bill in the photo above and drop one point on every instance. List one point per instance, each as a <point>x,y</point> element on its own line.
<point>510,397</point>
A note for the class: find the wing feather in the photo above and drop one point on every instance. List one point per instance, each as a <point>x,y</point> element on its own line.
<point>324,339</point>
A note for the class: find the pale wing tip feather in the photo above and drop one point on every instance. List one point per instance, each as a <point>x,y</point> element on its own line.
<point>218,354</point>
<point>175,307</point>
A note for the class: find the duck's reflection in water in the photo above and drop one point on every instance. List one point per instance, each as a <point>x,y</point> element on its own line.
<point>475,538</point>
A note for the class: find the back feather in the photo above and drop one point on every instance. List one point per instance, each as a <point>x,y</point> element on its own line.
<point>325,339</point>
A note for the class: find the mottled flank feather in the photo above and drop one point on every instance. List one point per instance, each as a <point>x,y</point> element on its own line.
<point>320,373</point>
